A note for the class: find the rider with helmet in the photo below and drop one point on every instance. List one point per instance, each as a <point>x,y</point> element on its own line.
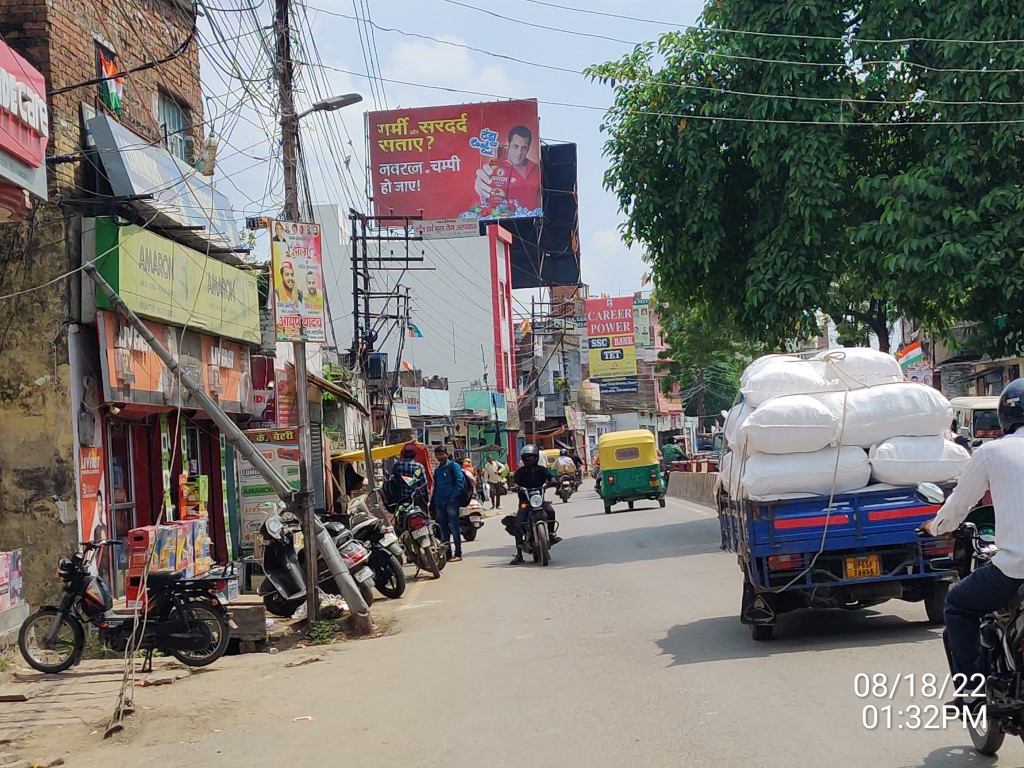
<point>564,465</point>
<point>997,467</point>
<point>530,475</point>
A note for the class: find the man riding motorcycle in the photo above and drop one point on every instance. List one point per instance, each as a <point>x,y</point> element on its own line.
<point>564,465</point>
<point>530,475</point>
<point>996,467</point>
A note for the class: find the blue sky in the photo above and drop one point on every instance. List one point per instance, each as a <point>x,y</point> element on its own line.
<point>255,187</point>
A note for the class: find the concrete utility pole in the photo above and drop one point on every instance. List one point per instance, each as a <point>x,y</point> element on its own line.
<point>289,154</point>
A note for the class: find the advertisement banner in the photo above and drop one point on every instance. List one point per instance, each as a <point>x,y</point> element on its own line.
<point>456,164</point>
<point>280,447</point>
<point>297,271</point>
<point>622,386</point>
<point>642,322</point>
<point>93,511</point>
<point>610,338</point>
<point>163,280</point>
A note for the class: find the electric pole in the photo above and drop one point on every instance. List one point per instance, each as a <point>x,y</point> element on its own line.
<point>289,154</point>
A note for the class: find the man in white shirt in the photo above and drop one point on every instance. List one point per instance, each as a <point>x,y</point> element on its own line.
<point>997,466</point>
<point>564,465</point>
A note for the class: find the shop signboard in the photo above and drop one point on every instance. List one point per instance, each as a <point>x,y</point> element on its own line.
<point>92,514</point>
<point>297,276</point>
<point>411,397</point>
<point>24,128</point>
<point>457,164</point>
<point>134,374</point>
<point>642,322</point>
<point>280,447</point>
<point>164,280</point>
<point>611,342</point>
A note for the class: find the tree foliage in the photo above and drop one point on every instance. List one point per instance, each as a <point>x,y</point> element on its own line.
<point>885,189</point>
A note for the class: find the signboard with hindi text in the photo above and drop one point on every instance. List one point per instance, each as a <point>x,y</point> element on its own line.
<point>456,164</point>
<point>298,282</point>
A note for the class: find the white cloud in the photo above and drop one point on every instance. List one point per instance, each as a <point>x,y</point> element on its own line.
<point>609,266</point>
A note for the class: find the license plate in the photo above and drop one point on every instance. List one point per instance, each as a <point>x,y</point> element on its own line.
<point>863,567</point>
<point>388,540</point>
<point>364,574</point>
<point>421,533</point>
<point>474,518</point>
<point>654,482</point>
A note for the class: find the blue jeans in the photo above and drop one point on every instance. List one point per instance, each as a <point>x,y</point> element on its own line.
<point>448,522</point>
<point>984,591</point>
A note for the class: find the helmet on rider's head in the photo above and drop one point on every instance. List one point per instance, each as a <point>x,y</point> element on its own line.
<point>529,455</point>
<point>563,452</point>
<point>1011,406</point>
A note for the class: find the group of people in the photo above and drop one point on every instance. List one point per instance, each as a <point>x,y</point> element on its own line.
<point>452,486</point>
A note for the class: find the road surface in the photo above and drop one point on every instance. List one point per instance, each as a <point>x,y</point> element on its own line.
<point>626,651</point>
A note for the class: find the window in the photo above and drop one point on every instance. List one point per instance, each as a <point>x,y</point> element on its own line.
<point>627,454</point>
<point>174,125</point>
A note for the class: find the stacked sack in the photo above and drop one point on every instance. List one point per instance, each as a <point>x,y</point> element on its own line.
<point>834,424</point>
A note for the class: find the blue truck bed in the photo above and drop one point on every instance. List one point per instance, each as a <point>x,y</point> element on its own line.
<point>860,551</point>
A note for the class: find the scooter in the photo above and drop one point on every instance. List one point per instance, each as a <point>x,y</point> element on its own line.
<point>471,519</point>
<point>284,588</point>
<point>387,554</point>
<point>187,618</point>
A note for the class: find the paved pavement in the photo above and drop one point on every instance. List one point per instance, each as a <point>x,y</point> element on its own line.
<point>626,651</point>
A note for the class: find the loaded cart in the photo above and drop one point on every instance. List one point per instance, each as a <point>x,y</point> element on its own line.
<point>855,553</point>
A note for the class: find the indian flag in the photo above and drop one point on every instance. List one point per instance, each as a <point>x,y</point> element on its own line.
<point>910,354</point>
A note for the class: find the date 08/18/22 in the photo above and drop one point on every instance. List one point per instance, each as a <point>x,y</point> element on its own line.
<point>880,685</point>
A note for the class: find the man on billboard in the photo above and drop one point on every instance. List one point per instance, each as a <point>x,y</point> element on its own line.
<point>524,181</point>
<point>314,299</point>
<point>287,292</point>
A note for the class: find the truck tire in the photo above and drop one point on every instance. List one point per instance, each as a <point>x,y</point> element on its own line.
<point>762,632</point>
<point>935,602</point>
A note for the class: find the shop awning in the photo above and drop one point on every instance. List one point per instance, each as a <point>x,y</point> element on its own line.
<point>379,453</point>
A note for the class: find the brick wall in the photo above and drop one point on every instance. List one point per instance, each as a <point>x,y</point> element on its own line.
<point>37,461</point>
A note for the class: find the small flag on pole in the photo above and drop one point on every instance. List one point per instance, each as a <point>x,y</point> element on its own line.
<point>524,327</point>
<point>910,354</point>
<point>406,366</point>
<point>414,331</point>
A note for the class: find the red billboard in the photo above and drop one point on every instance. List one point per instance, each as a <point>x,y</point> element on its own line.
<point>456,164</point>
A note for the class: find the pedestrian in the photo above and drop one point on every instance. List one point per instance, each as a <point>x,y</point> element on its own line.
<point>449,480</point>
<point>494,476</point>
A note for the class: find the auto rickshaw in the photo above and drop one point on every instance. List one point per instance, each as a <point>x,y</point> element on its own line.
<point>630,468</point>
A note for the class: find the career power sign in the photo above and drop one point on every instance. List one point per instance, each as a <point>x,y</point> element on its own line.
<point>610,336</point>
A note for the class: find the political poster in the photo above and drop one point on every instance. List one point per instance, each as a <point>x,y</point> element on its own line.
<point>610,338</point>
<point>297,277</point>
<point>456,164</point>
<point>280,447</point>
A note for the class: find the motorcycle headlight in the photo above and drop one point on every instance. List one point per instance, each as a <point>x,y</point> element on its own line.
<point>274,527</point>
<point>536,500</point>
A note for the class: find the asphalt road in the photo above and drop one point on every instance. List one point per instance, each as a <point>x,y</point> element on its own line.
<point>625,651</point>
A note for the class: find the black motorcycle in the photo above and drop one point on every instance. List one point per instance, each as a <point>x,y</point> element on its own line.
<point>284,587</point>
<point>419,535</point>
<point>566,487</point>
<point>387,554</point>
<point>540,527</point>
<point>187,618</point>
<point>997,707</point>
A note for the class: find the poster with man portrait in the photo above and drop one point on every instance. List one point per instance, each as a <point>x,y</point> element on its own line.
<point>298,282</point>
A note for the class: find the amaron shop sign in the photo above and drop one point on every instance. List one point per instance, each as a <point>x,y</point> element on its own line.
<point>24,132</point>
<point>457,164</point>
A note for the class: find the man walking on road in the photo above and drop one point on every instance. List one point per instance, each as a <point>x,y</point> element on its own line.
<point>494,474</point>
<point>448,484</point>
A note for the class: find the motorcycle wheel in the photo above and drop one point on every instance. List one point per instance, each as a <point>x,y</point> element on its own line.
<point>67,645</point>
<point>429,562</point>
<point>389,578</point>
<point>543,555</point>
<point>986,735</point>
<point>281,606</point>
<point>220,634</point>
<point>469,533</point>
<point>367,594</point>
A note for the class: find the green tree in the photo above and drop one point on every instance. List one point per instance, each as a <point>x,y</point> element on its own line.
<point>844,168</point>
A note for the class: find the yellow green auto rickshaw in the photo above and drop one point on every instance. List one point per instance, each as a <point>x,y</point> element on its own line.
<point>630,468</point>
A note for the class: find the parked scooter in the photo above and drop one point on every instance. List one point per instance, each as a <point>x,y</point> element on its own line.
<point>419,535</point>
<point>187,618</point>
<point>471,519</point>
<point>284,588</point>
<point>387,554</point>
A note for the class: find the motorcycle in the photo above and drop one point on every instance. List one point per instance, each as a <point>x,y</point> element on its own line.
<point>999,706</point>
<point>566,487</point>
<point>470,520</point>
<point>284,588</point>
<point>539,529</point>
<point>387,554</point>
<point>187,618</point>
<point>418,534</point>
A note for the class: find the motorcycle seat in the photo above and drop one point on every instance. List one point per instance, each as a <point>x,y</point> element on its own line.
<point>164,578</point>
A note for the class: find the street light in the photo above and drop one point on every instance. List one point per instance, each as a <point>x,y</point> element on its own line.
<point>331,104</point>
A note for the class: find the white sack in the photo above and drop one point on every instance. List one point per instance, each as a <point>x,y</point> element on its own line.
<point>912,460</point>
<point>778,379</point>
<point>737,415</point>
<point>726,470</point>
<point>791,424</point>
<point>892,410</point>
<point>858,367</point>
<point>761,362</point>
<point>769,475</point>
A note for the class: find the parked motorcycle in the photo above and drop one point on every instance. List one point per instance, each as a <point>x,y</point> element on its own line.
<point>187,618</point>
<point>566,487</point>
<point>539,529</point>
<point>284,588</point>
<point>387,554</point>
<point>471,519</point>
<point>419,535</point>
